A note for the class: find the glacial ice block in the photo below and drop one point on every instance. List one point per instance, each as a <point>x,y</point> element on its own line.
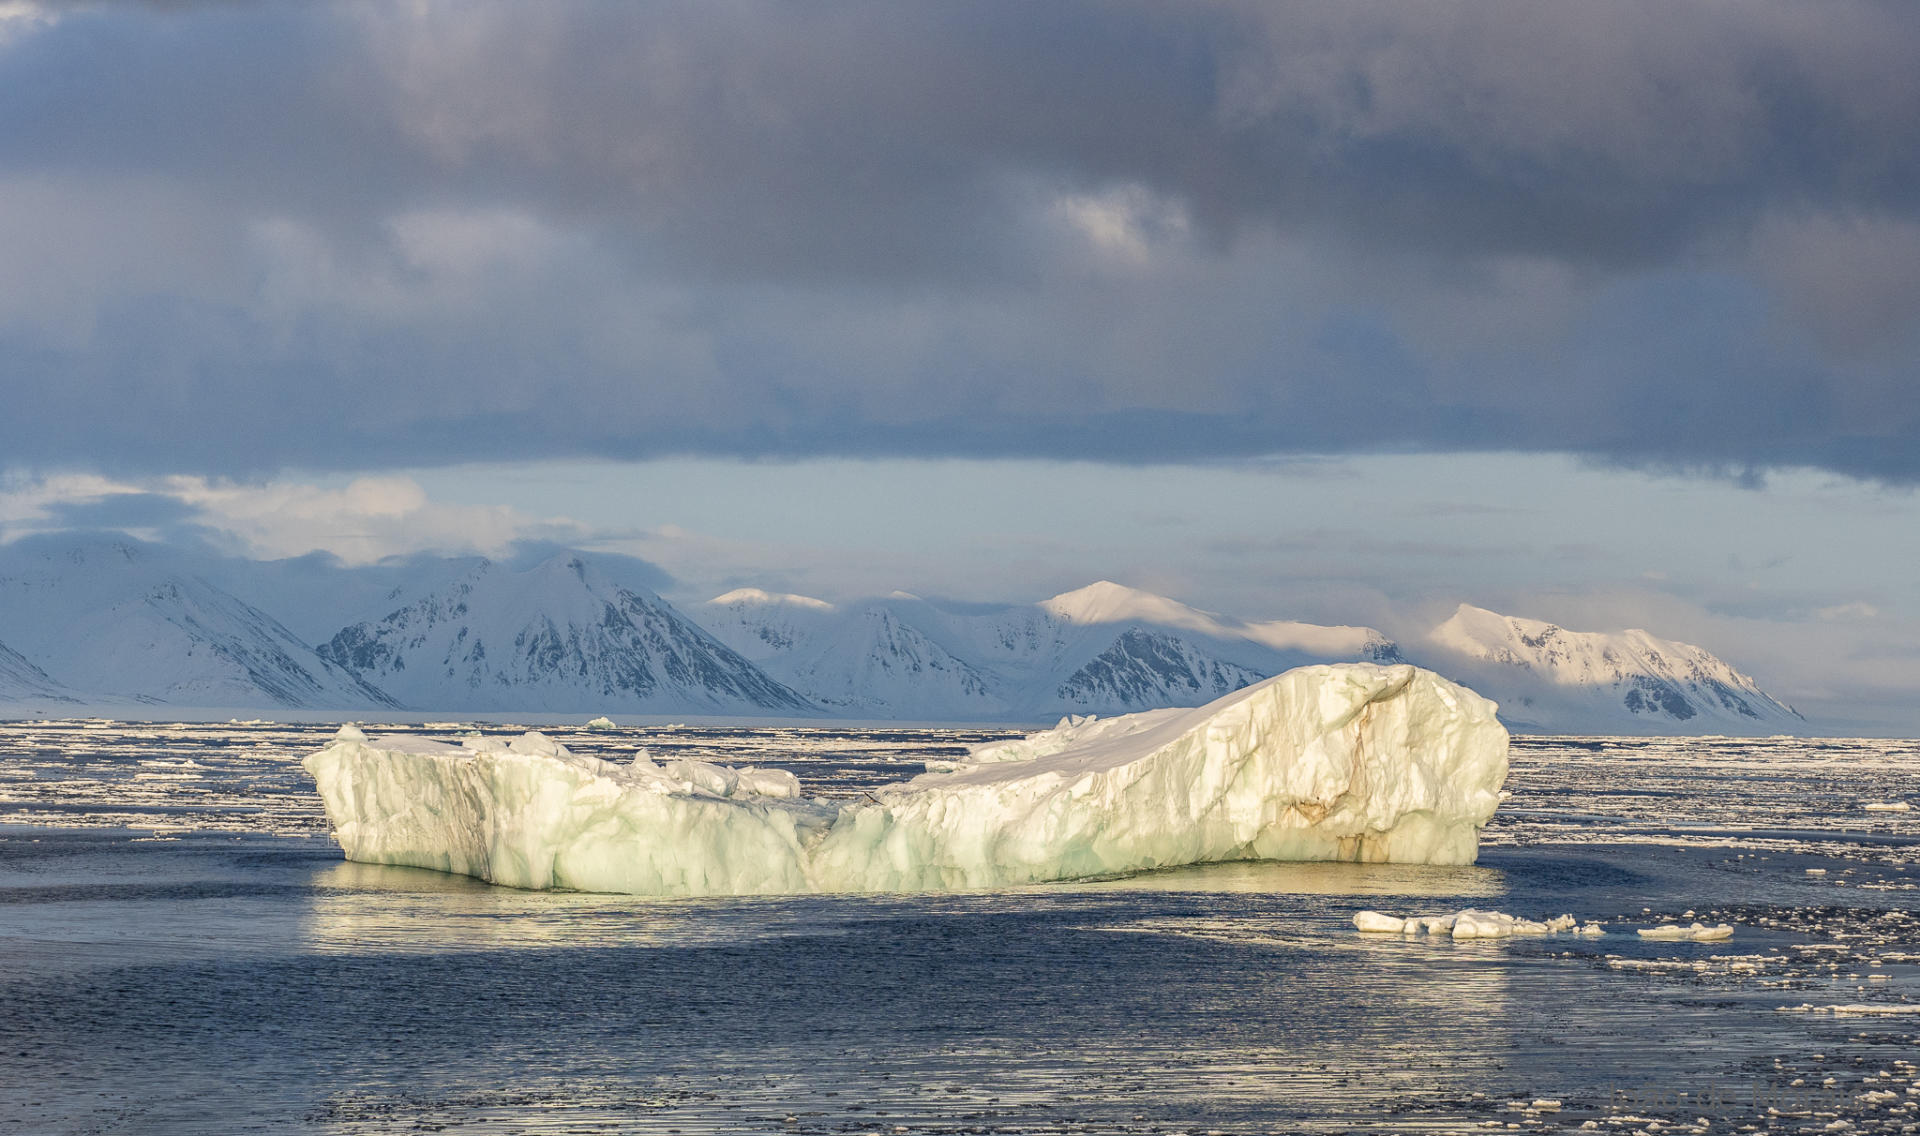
<point>1355,762</point>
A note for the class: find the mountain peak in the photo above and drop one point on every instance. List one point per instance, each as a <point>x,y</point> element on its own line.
<point>755,597</point>
<point>559,636</point>
<point>1480,632</point>
<point>1104,601</point>
<point>1529,664</point>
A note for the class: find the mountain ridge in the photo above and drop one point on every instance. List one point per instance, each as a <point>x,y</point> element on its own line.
<point>110,621</point>
<point>557,637</point>
<point>1541,667</point>
<point>119,621</point>
<point>1104,648</point>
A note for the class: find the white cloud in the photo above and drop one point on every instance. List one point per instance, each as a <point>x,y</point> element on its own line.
<point>361,522</point>
<point>1125,223</point>
<point>1848,613</point>
<point>23,17</point>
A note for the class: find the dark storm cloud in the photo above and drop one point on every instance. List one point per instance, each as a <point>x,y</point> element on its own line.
<point>247,236</point>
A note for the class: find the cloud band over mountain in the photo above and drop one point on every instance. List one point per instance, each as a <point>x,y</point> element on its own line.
<point>239,238</point>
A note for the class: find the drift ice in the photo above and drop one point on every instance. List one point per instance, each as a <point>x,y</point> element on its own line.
<point>1356,762</point>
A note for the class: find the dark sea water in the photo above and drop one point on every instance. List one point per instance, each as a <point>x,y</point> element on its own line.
<point>182,950</point>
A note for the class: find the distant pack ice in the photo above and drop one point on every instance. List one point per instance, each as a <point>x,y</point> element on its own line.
<point>1356,762</point>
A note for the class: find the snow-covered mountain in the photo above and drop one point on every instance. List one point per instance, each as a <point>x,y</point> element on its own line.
<point>110,622</point>
<point>1546,677</point>
<point>125,622</point>
<point>863,661</point>
<point>21,682</point>
<point>1104,648</point>
<point>560,637</point>
<point>1146,668</point>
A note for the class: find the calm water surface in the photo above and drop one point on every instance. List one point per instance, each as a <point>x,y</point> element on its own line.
<point>183,951</point>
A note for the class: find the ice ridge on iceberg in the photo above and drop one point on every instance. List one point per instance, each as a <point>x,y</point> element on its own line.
<point>1357,762</point>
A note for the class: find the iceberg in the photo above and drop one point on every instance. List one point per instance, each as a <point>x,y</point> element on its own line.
<point>1356,762</point>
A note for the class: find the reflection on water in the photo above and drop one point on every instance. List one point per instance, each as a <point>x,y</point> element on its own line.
<point>374,907</point>
<point>1318,879</point>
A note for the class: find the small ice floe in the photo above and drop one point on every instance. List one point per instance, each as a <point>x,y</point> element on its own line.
<point>1881,1009</point>
<point>1375,923</point>
<point>1887,807</point>
<point>1699,932</point>
<point>1469,924</point>
<point>601,723</point>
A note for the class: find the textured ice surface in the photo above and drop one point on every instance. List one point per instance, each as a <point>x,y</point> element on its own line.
<point>1469,924</point>
<point>1699,932</point>
<point>1354,762</point>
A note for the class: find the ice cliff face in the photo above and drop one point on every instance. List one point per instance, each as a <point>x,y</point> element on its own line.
<point>560,637</point>
<point>1356,762</point>
<point>1103,649</point>
<point>135,627</point>
<point>1574,680</point>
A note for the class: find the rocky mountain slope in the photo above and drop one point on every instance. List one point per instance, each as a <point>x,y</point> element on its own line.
<point>560,637</point>
<point>111,622</point>
<point>1103,649</point>
<point>1548,677</point>
<point>126,622</point>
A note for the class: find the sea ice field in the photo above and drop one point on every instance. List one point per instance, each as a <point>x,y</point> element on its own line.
<point>183,950</point>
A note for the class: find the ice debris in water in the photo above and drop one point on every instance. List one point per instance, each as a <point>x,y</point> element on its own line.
<point>1699,932</point>
<point>601,723</point>
<point>1470,924</point>
<point>1356,761</point>
<point>1883,1009</point>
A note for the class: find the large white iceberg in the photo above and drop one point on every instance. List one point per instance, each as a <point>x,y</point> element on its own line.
<point>1353,762</point>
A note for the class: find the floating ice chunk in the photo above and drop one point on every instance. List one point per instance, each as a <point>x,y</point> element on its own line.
<point>1375,923</point>
<point>1864,1009</point>
<point>1888,807</point>
<point>1699,932</point>
<point>1468,924</point>
<point>1355,762</point>
<point>1471,924</point>
<point>601,723</point>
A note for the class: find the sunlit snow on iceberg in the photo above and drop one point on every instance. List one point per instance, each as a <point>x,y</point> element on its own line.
<point>1355,762</point>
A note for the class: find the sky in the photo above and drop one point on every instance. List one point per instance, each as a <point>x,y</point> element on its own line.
<point>1346,311</point>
